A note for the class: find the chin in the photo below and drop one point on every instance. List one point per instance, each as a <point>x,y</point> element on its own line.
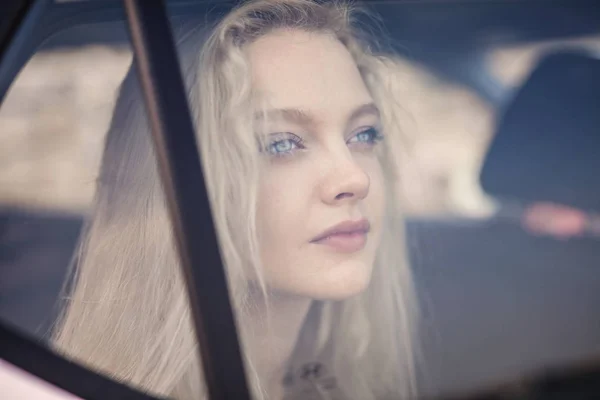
<point>340,282</point>
<point>342,292</point>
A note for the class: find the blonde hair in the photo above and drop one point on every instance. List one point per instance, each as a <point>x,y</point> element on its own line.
<point>127,314</point>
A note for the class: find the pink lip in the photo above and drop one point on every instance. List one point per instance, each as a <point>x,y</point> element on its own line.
<point>346,237</point>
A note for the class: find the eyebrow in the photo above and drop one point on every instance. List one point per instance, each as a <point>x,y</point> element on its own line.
<point>365,109</point>
<point>304,118</point>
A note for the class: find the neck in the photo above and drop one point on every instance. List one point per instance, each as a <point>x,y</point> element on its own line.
<point>273,334</point>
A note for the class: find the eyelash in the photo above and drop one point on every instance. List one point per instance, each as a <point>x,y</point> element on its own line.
<point>288,137</point>
<point>375,136</point>
<point>296,142</point>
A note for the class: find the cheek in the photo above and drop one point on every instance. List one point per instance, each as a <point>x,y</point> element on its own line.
<point>283,210</point>
<point>281,203</point>
<point>375,201</point>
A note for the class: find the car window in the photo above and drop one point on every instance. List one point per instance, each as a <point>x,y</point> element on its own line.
<point>54,120</point>
<point>497,284</point>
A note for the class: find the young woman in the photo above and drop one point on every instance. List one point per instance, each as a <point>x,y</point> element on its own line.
<point>296,128</point>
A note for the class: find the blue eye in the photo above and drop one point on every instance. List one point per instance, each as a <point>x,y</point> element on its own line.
<point>369,136</point>
<point>284,144</point>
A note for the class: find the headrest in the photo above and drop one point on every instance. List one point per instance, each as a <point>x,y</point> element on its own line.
<point>547,145</point>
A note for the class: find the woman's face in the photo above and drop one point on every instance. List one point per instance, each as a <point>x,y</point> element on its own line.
<point>321,198</point>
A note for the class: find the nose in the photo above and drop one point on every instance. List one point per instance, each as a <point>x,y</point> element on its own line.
<point>347,181</point>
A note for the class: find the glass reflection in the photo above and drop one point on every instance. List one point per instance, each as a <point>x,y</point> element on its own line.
<point>299,132</point>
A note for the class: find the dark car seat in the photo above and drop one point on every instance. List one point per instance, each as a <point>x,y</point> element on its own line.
<point>548,142</point>
<point>499,303</point>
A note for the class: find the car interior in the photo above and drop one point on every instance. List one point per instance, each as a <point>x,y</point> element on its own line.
<point>504,312</point>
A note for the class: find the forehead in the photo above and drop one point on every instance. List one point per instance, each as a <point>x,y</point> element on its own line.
<point>306,70</point>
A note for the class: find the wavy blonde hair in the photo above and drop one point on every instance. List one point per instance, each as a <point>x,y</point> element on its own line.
<point>127,314</point>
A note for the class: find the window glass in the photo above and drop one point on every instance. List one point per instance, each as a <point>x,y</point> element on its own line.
<point>418,216</point>
<point>54,120</point>
<point>500,296</point>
